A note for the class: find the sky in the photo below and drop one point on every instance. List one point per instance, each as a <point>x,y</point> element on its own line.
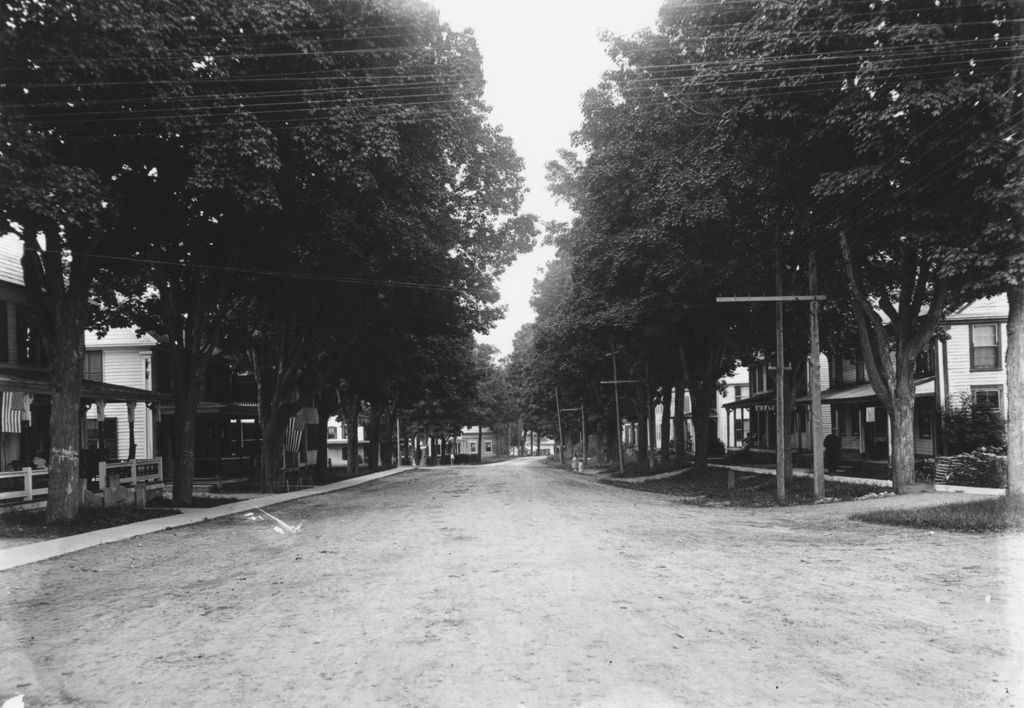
<point>539,56</point>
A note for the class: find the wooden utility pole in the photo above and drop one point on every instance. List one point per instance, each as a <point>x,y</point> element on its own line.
<point>618,418</point>
<point>780,393</point>
<point>780,467</point>
<point>561,443</point>
<point>817,442</point>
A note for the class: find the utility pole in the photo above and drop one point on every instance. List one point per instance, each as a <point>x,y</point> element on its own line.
<point>780,393</point>
<point>817,442</point>
<point>780,467</point>
<point>561,444</point>
<point>618,422</point>
<point>583,434</point>
<point>618,416</point>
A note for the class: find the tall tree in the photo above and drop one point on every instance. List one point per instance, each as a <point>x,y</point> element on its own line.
<point>901,108</point>
<point>94,95</point>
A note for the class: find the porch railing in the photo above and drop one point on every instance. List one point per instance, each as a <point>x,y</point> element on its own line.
<point>131,472</point>
<point>34,482</point>
<point>27,476</point>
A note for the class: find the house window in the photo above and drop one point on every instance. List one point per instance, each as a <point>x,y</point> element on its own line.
<point>738,392</point>
<point>472,447</point>
<point>860,371</point>
<point>344,432</point>
<point>93,366</point>
<point>92,436</point>
<point>332,432</point>
<point>924,423</point>
<point>989,397</point>
<point>925,365</point>
<point>984,347</point>
<point>487,447</point>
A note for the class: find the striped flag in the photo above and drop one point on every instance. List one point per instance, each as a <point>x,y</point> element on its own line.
<point>293,435</point>
<point>10,415</point>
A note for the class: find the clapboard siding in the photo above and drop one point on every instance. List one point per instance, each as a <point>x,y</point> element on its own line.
<point>958,359</point>
<point>124,366</point>
<point>10,260</point>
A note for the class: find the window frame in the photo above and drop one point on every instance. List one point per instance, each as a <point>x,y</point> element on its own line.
<point>991,388</point>
<point>998,365</point>
<point>923,423</point>
<point>88,372</point>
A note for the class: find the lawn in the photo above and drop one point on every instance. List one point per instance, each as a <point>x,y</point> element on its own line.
<point>709,487</point>
<point>980,515</point>
<point>31,523</point>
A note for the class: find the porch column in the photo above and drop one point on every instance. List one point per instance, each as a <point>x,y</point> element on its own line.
<point>100,437</point>
<point>862,419</point>
<point>131,429</point>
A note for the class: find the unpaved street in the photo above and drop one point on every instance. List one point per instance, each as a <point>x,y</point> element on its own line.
<point>514,584</point>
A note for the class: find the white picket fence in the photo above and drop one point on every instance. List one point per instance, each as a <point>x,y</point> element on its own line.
<point>130,473</point>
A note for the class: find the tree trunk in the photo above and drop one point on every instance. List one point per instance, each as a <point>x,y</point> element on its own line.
<point>702,401</point>
<point>352,424</point>
<point>901,416</point>
<point>666,423</point>
<point>480,442</point>
<point>641,432</point>
<point>1015,392</point>
<point>67,359</point>
<point>186,405</point>
<point>373,437</point>
<point>681,431</point>
<point>387,439</point>
<point>271,448</point>
<point>323,411</point>
<point>187,391</point>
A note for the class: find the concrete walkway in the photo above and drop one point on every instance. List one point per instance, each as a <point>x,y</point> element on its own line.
<point>35,552</point>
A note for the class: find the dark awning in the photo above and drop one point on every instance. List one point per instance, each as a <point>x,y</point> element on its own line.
<point>864,393</point>
<point>861,393</point>
<point>759,401</point>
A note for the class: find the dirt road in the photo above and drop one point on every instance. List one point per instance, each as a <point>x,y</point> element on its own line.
<point>517,585</point>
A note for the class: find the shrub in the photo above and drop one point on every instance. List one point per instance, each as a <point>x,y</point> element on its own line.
<point>968,426</point>
<point>716,447</point>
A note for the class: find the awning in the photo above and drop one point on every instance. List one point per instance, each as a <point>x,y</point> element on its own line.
<point>861,393</point>
<point>761,401</point>
<point>38,384</point>
<point>864,393</point>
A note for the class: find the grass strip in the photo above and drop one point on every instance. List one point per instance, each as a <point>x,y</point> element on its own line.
<point>988,515</point>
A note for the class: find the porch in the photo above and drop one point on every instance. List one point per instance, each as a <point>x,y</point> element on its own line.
<point>853,414</point>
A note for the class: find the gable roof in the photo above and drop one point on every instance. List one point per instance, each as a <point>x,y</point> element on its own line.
<point>995,307</point>
<point>118,337</point>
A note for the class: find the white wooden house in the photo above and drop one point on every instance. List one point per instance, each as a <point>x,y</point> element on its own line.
<point>969,359</point>
<point>124,358</point>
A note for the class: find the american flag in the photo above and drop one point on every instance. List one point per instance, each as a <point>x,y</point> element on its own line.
<point>10,416</point>
<point>293,435</point>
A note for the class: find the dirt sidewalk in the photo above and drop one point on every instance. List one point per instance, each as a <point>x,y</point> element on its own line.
<point>513,584</point>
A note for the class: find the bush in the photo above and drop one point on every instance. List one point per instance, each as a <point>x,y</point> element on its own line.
<point>968,426</point>
<point>979,469</point>
<point>716,447</point>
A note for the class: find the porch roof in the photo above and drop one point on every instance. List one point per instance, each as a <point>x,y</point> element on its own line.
<point>862,393</point>
<point>38,384</point>
<point>761,400</point>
